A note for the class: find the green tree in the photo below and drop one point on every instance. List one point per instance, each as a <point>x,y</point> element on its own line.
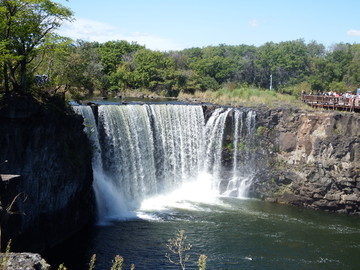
<point>265,64</point>
<point>216,67</point>
<point>75,68</point>
<point>154,70</point>
<point>112,53</point>
<point>286,61</point>
<point>244,57</point>
<point>24,26</point>
<point>117,59</point>
<point>354,66</point>
<point>333,70</point>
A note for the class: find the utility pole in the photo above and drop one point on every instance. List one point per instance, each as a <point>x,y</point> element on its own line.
<point>270,82</point>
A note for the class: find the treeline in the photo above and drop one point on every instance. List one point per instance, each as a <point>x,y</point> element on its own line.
<point>29,48</point>
<point>119,65</point>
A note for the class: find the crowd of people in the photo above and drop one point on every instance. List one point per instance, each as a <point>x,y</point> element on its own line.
<point>347,99</point>
<point>334,94</point>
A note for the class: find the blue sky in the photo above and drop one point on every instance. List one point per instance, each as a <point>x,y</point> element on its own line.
<point>177,24</point>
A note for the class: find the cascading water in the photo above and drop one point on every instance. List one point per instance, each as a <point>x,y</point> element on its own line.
<point>142,151</point>
<point>109,203</point>
<point>243,157</point>
<point>214,143</point>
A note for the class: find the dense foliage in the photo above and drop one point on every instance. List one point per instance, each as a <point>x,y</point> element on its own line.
<point>28,48</point>
<point>26,27</point>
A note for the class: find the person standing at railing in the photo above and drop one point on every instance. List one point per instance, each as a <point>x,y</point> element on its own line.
<point>303,94</point>
<point>351,103</point>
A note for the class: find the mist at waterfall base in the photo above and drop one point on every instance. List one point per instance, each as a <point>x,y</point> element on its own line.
<point>158,168</point>
<point>159,155</point>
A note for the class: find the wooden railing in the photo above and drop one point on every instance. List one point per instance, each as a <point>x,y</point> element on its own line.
<point>343,103</point>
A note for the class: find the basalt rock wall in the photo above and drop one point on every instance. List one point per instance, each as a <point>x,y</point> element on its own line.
<point>51,193</point>
<point>309,159</point>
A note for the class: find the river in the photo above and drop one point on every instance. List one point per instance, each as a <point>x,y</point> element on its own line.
<point>232,233</point>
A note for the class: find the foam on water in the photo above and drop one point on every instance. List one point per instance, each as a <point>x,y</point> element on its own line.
<point>161,157</point>
<point>185,197</point>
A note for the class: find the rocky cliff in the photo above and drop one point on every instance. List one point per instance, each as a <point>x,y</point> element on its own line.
<point>49,196</point>
<point>309,159</point>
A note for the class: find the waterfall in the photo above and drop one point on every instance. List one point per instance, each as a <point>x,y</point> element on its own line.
<point>141,151</point>
<point>214,143</point>
<point>243,156</point>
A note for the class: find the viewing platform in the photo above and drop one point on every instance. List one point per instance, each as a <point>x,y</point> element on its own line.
<point>332,103</point>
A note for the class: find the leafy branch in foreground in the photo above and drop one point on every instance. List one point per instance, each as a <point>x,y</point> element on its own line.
<point>92,262</point>
<point>117,263</point>
<point>179,249</point>
<point>202,262</point>
<point>177,246</point>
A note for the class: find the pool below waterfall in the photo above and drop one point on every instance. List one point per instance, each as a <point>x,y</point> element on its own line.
<point>232,233</point>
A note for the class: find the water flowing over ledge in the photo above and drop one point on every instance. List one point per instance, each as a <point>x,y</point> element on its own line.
<point>308,159</point>
<point>143,153</point>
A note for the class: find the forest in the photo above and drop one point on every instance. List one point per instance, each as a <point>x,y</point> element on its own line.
<point>34,58</point>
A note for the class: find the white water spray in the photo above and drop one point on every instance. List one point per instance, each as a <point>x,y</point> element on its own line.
<point>160,156</point>
<point>109,204</point>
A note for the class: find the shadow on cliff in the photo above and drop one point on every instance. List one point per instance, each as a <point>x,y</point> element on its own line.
<point>44,155</point>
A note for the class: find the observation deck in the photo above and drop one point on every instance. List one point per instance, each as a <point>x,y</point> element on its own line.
<point>332,103</point>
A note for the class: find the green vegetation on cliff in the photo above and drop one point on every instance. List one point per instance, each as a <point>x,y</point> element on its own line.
<point>232,74</point>
<point>26,35</point>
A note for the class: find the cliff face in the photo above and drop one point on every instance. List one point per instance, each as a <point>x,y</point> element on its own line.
<point>310,159</point>
<point>49,152</point>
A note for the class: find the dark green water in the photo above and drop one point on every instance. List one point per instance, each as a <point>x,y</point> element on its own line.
<point>233,233</point>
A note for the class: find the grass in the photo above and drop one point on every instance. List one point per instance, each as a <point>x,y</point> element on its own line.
<point>245,97</point>
<point>5,257</point>
<point>235,96</point>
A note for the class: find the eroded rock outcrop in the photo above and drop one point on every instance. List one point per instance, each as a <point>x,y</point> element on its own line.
<point>46,147</point>
<point>312,159</point>
<point>23,261</point>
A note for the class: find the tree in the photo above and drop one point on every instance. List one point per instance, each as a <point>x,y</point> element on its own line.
<point>286,61</point>
<point>73,67</point>
<point>354,66</point>
<point>154,70</point>
<point>24,27</point>
<point>112,53</point>
<point>333,70</point>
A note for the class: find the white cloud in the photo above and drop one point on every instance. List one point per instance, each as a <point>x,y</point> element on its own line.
<point>90,30</point>
<point>355,33</point>
<point>254,23</point>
